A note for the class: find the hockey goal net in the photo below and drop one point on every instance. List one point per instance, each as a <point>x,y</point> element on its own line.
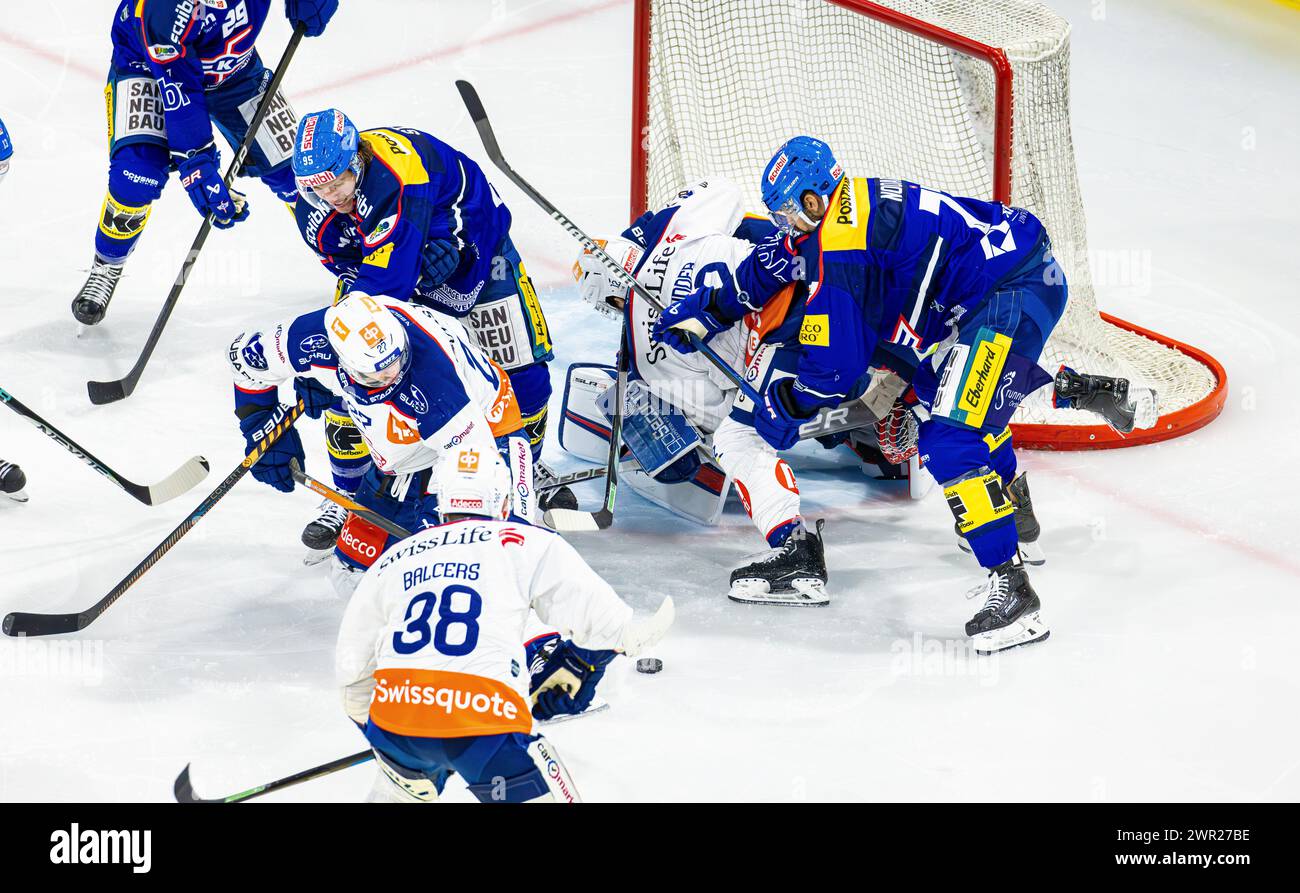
<point>968,96</point>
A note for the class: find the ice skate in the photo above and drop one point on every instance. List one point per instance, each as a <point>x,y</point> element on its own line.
<point>91,303</point>
<point>793,574</point>
<point>12,481</point>
<point>323,531</point>
<point>1010,615</point>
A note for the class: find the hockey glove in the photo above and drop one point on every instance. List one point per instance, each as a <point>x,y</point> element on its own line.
<point>206,189</point>
<point>438,260</point>
<point>566,680</point>
<point>313,15</point>
<point>273,467</point>
<point>781,416</point>
<point>315,396</point>
<point>696,313</point>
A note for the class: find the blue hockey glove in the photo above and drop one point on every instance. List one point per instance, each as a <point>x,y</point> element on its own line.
<point>694,313</point>
<point>273,467</point>
<point>313,14</point>
<point>438,260</point>
<point>206,189</point>
<point>315,396</point>
<point>565,680</point>
<point>779,419</point>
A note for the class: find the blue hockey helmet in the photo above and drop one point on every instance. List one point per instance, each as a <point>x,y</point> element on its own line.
<point>802,165</point>
<point>326,147</point>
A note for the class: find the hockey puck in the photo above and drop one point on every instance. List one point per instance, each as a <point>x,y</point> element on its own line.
<point>649,665</point>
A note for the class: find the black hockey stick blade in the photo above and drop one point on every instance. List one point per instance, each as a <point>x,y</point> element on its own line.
<point>20,624</point>
<point>102,392</point>
<point>176,483</point>
<point>183,788</point>
<point>24,624</point>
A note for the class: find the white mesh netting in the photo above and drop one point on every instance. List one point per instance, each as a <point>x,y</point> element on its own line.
<point>730,80</point>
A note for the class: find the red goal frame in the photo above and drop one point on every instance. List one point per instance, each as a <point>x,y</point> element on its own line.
<point>1035,436</point>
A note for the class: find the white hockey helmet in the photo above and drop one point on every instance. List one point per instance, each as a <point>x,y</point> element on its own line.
<point>471,483</point>
<point>368,339</point>
<point>597,285</point>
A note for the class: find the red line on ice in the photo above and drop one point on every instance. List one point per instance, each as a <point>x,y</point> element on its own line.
<point>99,74</point>
<point>448,51</point>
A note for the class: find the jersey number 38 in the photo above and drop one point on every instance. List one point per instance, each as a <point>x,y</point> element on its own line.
<point>456,632</point>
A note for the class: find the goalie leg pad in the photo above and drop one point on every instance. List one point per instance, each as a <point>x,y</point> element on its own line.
<point>658,434</point>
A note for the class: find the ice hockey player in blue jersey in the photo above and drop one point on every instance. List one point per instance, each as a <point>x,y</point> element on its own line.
<point>12,479</point>
<point>960,294</point>
<point>396,212</point>
<point>178,68</point>
<point>6,150</point>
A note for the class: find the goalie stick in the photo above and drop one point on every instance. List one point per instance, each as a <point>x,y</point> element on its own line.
<point>111,391</point>
<point>183,789</point>
<point>179,481</point>
<point>575,520</point>
<point>20,623</point>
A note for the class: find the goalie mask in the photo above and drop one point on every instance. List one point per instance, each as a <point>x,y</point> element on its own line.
<point>472,483</point>
<point>598,286</point>
<point>369,340</point>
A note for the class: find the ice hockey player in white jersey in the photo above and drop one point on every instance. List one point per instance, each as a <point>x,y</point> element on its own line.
<point>429,655</point>
<point>700,239</point>
<point>416,387</point>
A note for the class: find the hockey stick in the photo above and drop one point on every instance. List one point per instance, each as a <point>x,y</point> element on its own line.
<point>184,789</point>
<point>339,499</point>
<point>574,520</point>
<point>176,483</point>
<point>476,112</point>
<point>111,391</point>
<point>572,477</point>
<point>20,623</point>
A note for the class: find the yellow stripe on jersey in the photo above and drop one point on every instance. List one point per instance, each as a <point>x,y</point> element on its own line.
<point>845,225</point>
<point>396,151</point>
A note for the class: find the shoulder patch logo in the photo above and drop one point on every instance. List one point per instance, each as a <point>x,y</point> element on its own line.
<point>401,432</point>
<point>415,399</point>
<point>313,343</point>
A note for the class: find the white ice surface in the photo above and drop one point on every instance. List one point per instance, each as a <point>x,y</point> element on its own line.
<point>1172,670</point>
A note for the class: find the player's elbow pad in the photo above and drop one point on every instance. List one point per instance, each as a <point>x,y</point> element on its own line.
<point>438,261</point>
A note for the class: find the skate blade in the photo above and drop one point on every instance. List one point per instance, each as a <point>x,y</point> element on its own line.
<point>1030,553</point>
<point>315,557</point>
<point>597,706</point>
<point>1025,631</point>
<point>18,496</point>
<point>806,593</point>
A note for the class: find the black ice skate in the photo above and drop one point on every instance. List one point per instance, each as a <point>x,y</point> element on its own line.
<point>322,531</point>
<point>1010,615</point>
<point>555,498</point>
<point>794,573</point>
<point>91,303</point>
<point>12,481</point>
<point>1122,406</point>
<point>1027,527</point>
